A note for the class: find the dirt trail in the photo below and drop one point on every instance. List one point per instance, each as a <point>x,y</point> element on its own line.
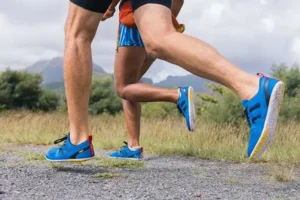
<point>24,175</point>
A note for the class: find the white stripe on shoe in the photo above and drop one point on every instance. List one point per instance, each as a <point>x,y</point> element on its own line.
<point>270,125</point>
<point>192,113</point>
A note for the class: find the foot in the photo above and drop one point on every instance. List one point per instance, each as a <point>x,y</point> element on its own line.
<point>186,106</point>
<point>262,114</point>
<point>126,153</point>
<point>69,152</point>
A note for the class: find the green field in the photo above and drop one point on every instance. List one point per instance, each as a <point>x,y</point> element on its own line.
<point>166,136</point>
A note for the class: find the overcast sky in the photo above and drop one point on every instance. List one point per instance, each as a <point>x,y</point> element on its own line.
<point>253,34</point>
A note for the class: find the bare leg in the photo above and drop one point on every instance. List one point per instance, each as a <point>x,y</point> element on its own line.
<point>138,92</point>
<point>127,70</point>
<point>162,41</point>
<point>132,110</point>
<point>80,29</point>
<point>147,64</point>
<point>130,65</point>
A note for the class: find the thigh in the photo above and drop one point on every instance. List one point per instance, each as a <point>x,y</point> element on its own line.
<point>138,3</point>
<point>149,60</point>
<point>130,56</point>
<point>128,64</point>
<point>154,22</point>
<point>82,22</point>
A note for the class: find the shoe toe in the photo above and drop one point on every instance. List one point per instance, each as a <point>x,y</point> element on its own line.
<point>115,154</point>
<point>253,140</point>
<point>51,154</point>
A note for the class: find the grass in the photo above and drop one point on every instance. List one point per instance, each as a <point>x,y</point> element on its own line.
<point>232,180</point>
<point>29,156</point>
<point>109,175</point>
<point>56,165</point>
<point>34,156</point>
<point>281,173</point>
<point>166,136</point>
<point>109,163</point>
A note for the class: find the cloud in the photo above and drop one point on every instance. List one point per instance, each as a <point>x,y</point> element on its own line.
<point>296,46</point>
<point>252,34</point>
<point>263,1</point>
<point>268,24</point>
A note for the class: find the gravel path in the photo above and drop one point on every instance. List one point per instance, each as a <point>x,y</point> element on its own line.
<point>25,177</point>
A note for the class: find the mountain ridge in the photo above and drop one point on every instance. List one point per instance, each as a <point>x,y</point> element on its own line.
<point>52,73</point>
<point>52,70</point>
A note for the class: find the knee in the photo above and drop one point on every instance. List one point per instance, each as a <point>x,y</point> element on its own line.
<point>156,45</point>
<point>120,90</point>
<point>76,38</point>
<point>153,48</point>
<point>77,34</point>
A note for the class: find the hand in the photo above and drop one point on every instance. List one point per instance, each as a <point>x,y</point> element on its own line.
<point>108,14</point>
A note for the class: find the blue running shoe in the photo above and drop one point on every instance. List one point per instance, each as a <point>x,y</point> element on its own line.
<point>69,152</point>
<point>186,106</point>
<point>126,153</point>
<point>262,114</point>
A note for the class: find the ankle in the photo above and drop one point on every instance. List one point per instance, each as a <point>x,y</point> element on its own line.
<point>78,139</point>
<point>134,148</point>
<point>176,96</point>
<point>134,144</point>
<point>249,88</point>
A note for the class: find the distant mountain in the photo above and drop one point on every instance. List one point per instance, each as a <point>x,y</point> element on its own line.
<point>171,82</point>
<point>59,87</point>
<point>147,80</point>
<point>199,84</point>
<point>52,70</point>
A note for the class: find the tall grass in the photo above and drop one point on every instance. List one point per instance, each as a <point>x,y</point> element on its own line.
<point>159,136</point>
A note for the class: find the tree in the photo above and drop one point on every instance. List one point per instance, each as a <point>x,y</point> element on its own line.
<point>23,90</point>
<point>291,77</point>
<point>103,98</point>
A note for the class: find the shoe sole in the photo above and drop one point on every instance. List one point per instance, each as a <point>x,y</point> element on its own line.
<point>71,160</point>
<point>133,159</point>
<point>270,125</point>
<point>192,113</point>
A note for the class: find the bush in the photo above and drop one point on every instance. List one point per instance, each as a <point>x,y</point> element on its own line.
<point>290,109</point>
<point>48,101</point>
<point>159,109</point>
<point>291,77</point>
<point>103,97</point>
<point>223,106</point>
<point>22,90</point>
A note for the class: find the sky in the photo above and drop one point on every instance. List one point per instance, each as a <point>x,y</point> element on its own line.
<point>253,34</point>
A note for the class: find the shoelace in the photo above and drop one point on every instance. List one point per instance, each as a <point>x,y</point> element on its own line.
<point>61,140</point>
<point>126,144</point>
<point>122,149</point>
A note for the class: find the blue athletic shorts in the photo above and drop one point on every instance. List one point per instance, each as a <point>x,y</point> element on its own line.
<point>129,37</point>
